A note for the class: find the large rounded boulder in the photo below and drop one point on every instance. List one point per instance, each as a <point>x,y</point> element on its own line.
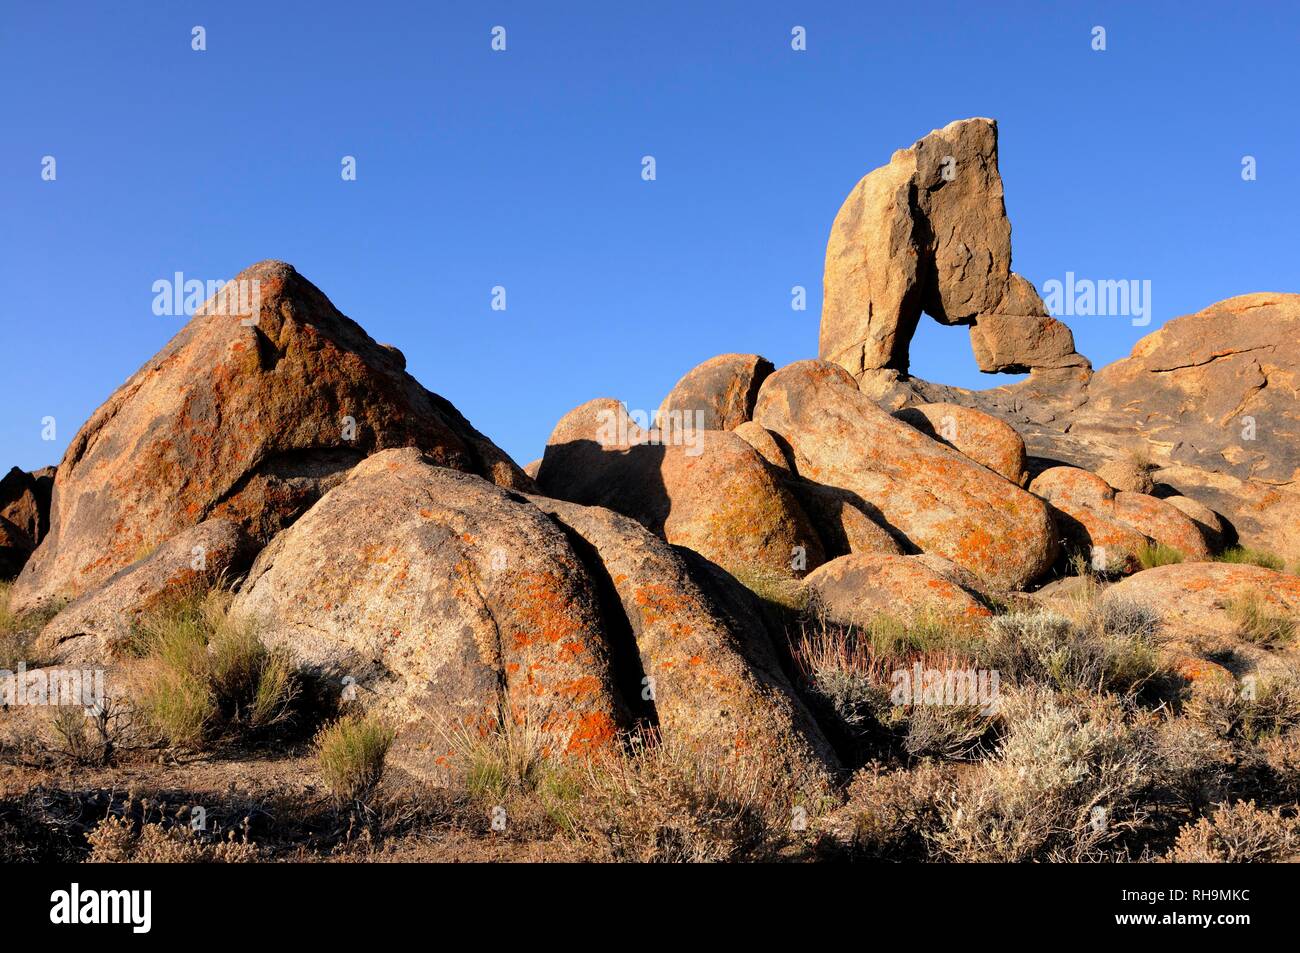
<point>439,591</point>
<point>264,400</point>
<point>937,498</point>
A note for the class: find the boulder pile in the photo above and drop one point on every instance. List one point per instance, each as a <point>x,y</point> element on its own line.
<point>634,578</point>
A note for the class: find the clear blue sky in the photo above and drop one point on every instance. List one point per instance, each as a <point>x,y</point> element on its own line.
<point>522,169</point>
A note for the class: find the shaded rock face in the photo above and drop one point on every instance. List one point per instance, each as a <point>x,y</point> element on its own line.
<point>845,522</point>
<point>937,499</point>
<point>90,629</point>
<point>716,679</point>
<point>720,392</point>
<point>247,422</point>
<point>929,233</point>
<point>15,548</point>
<point>980,436</point>
<point>1113,525</point>
<point>859,589</point>
<point>715,495</point>
<point>441,593</point>
<point>25,501</point>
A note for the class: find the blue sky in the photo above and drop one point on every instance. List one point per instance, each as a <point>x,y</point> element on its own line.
<point>523,169</point>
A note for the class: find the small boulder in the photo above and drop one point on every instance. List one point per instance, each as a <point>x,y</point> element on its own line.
<point>1207,521</point>
<point>763,441</point>
<point>862,588</point>
<point>712,493</point>
<point>1114,526</point>
<point>1127,474</point>
<point>719,393</point>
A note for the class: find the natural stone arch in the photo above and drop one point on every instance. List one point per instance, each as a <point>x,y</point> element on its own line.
<point>928,234</point>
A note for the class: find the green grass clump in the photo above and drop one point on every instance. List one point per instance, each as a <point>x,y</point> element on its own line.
<point>212,678</point>
<point>350,755</point>
<point>1257,622</point>
<point>1251,557</point>
<point>1151,555</point>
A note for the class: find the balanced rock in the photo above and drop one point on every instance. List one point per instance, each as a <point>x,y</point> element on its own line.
<point>707,490</point>
<point>936,498</point>
<point>92,628</point>
<point>441,595</point>
<point>720,392</point>
<point>264,400</point>
<point>980,436</point>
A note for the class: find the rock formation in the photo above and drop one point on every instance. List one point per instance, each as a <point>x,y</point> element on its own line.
<point>721,391</point>
<point>928,233</point>
<point>245,421</point>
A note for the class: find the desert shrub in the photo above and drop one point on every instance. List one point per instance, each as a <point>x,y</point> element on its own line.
<point>668,802</point>
<point>1153,554</point>
<point>1063,785</point>
<point>954,732</point>
<point>114,841</point>
<point>1257,622</point>
<point>1191,765</point>
<point>855,673</point>
<point>350,755</point>
<point>1101,654</point>
<point>91,736</point>
<point>1238,833</point>
<point>1251,557</point>
<point>212,678</point>
<point>1249,711</point>
<point>892,813</point>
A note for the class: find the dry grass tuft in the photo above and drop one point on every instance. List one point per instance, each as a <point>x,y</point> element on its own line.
<point>114,841</point>
<point>1257,622</point>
